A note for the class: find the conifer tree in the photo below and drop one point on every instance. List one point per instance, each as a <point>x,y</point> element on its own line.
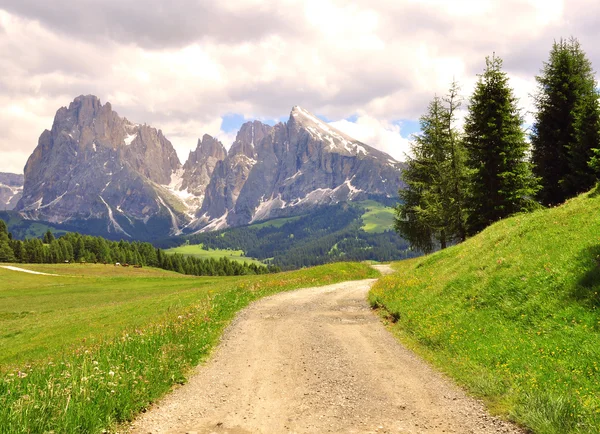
<point>6,252</point>
<point>48,237</point>
<point>567,124</point>
<point>432,204</point>
<point>501,179</point>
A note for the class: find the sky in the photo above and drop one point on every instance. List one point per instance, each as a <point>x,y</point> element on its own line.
<point>190,67</point>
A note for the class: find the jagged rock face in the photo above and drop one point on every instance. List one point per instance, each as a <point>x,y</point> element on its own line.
<point>94,164</point>
<point>200,165</point>
<point>100,169</point>
<point>231,174</point>
<point>11,190</point>
<point>295,166</point>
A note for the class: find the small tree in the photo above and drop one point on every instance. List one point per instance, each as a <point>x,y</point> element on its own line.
<point>501,179</point>
<point>566,127</point>
<point>431,211</point>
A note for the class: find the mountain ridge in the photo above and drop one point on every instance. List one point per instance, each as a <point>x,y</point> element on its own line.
<point>95,168</point>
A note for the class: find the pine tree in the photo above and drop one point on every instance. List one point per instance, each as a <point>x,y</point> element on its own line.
<point>432,207</point>
<point>501,179</point>
<point>566,127</point>
<point>6,251</point>
<point>48,237</point>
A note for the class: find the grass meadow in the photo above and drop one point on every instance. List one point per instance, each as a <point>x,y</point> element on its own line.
<point>198,251</point>
<point>378,218</point>
<point>87,350</point>
<point>513,315</point>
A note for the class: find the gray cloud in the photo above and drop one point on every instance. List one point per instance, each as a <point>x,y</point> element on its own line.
<point>156,23</point>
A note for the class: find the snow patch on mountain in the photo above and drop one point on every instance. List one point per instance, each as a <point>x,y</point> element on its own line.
<point>265,208</point>
<point>54,201</point>
<point>112,220</point>
<point>174,225</point>
<point>216,224</point>
<point>130,138</point>
<point>326,133</point>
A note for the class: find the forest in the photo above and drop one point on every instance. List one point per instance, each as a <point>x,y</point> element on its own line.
<point>462,178</point>
<point>328,234</point>
<point>74,247</point>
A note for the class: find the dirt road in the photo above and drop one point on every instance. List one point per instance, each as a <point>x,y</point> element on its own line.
<point>316,360</point>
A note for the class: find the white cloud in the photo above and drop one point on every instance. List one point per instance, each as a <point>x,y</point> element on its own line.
<point>382,135</point>
<point>182,73</point>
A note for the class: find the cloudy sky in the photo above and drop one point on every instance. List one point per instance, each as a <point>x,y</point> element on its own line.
<point>191,67</point>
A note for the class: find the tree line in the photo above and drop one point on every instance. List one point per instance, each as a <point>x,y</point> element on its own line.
<point>327,234</point>
<point>461,180</point>
<point>74,247</point>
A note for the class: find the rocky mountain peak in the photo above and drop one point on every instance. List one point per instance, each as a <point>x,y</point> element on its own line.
<point>248,137</point>
<point>207,147</point>
<point>94,164</point>
<point>103,171</point>
<point>320,131</point>
<point>198,169</point>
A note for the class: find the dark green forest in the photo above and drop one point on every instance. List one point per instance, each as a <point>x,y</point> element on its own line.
<point>329,234</point>
<point>74,247</point>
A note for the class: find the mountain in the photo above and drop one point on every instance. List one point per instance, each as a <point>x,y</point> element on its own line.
<point>103,174</point>
<point>11,189</point>
<point>230,176</point>
<point>292,167</point>
<point>94,169</point>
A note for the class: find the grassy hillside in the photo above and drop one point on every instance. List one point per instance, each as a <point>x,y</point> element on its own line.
<point>377,218</point>
<point>327,234</point>
<point>198,251</point>
<point>513,314</point>
<point>93,346</point>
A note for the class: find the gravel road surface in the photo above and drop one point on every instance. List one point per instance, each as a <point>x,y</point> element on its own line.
<point>316,360</point>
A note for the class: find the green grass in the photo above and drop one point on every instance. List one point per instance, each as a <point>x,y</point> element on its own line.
<point>513,315</point>
<point>89,349</point>
<point>378,218</point>
<point>198,251</point>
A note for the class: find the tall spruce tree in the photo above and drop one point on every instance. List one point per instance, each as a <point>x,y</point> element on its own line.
<point>501,179</point>
<point>431,211</point>
<point>567,124</point>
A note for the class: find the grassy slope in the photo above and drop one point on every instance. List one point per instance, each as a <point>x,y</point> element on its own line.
<point>199,252</point>
<point>513,314</point>
<point>91,348</point>
<point>378,218</point>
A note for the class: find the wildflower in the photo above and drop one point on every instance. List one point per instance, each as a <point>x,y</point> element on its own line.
<point>111,373</point>
<point>21,374</point>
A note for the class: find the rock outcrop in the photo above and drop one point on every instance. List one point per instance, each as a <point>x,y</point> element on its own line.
<point>11,190</point>
<point>95,165</point>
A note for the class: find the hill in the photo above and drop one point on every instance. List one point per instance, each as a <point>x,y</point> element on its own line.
<point>355,231</point>
<point>512,313</point>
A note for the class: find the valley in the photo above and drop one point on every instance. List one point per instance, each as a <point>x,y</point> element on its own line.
<point>198,251</point>
<point>95,345</point>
